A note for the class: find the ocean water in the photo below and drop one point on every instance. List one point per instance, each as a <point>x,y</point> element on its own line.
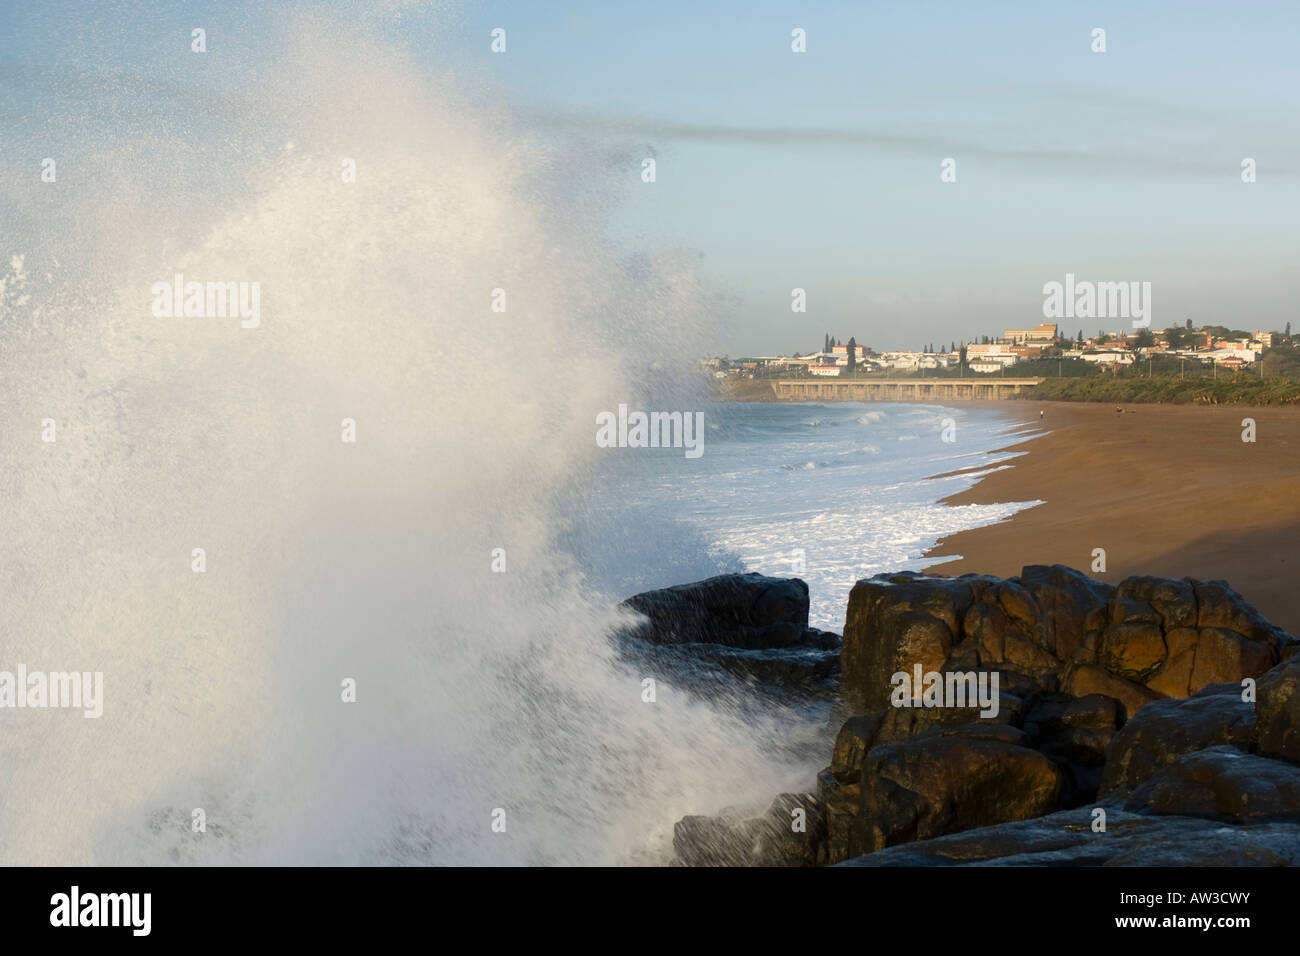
<point>843,483</point>
<point>493,722</point>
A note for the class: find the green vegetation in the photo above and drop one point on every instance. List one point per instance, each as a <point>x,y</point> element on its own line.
<point>1239,388</point>
<point>1166,378</point>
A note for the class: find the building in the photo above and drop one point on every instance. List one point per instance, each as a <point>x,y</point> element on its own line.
<point>1104,356</point>
<point>1044,334</point>
<point>841,353</point>
<point>828,370</point>
<point>1026,352</point>
<point>900,360</point>
<point>996,353</point>
<point>1230,357</point>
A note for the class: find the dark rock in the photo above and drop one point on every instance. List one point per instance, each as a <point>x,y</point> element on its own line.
<point>1133,648</point>
<point>1174,602</point>
<point>943,782</point>
<point>790,668</point>
<point>709,841</point>
<point>1067,838</point>
<point>1078,745</point>
<point>1073,604</point>
<point>1057,713</point>
<point>896,621</point>
<point>1167,729</point>
<point>1225,655</point>
<point>1054,628</point>
<point>1277,705</point>
<point>1222,783</point>
<point>856,737</point>
<point>887,725</point>
<point>739,610</point>
<point>791,833</point>
<point>1130,692</point>
<point>841,802</point>
<point>1085,680</point>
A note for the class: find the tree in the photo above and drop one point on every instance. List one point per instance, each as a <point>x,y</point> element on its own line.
<point>961,360</point>
<point>1288,330</point>
<point>1144,339</point>
<point>1189,324</point>
<point>853,355</point>
<point>1081,336</point>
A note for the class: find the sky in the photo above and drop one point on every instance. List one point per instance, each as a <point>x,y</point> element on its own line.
<point>821,170</point>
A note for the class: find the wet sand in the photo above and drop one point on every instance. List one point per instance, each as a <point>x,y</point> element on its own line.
<point>1170,490</point>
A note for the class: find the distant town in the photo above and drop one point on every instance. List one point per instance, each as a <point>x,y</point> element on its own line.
<point>1214,347</point>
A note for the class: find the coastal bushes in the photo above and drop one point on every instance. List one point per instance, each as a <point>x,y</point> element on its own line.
<point>1235,389</point>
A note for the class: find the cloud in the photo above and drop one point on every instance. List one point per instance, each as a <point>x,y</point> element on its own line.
<point>1091,163</point>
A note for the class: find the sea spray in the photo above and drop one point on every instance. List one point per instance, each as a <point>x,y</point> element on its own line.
<point>346,679</point>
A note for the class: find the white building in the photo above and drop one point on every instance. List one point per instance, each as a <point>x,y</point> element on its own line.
<point>1108,356</point>
<point>992,352</point>
<point>1248,356</point>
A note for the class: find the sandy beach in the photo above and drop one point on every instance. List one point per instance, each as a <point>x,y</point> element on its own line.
<point>1168,490</point>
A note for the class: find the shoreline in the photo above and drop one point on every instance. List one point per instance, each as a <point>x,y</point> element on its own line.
<point>1166,490</point>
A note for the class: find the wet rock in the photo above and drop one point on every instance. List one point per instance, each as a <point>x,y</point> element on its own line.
<point>1222,783</point>
<point>1067,838</point>
<point>1105,694</point>
<point>944,782</point>
<point>791,833</point>
<point>1167,729</point>
<point>738,610</point>
<point>1278,709</point>
<point>1087,679</point>
<point>898,621</point>
<point>1148,639</point>
<point>1058,713</point>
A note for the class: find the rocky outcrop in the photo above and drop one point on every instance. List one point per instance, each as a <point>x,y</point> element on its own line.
<point>791,833</point>
<point>745,626</point>
<point>952,779</point>
<point>1223,783</point>
<point>1140,699</point>
<point>1168,729</point>
<point>1278,707</point>
<point>1070,838</point>
<point>737,610</point>
<point>1056,630</point>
